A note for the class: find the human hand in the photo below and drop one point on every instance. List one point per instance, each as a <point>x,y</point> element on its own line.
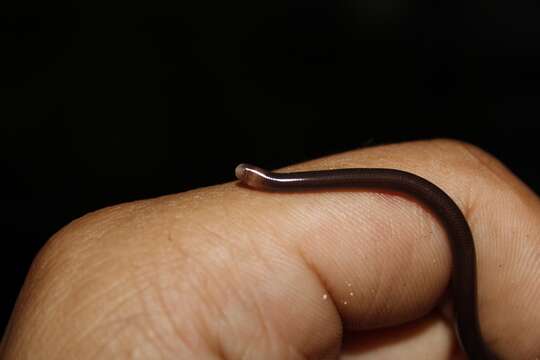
<point>227,272</point>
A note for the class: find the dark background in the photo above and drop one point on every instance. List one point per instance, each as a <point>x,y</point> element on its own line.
<point>102,104</point>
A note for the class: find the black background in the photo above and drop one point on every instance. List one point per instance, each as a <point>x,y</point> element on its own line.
<point>107,103</point>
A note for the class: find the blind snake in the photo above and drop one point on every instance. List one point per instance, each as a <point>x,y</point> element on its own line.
<point>463,278</point>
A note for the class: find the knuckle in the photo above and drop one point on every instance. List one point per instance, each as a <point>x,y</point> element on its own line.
<point>483,179</point>
<point>474,163</point>
<point>143,250</point>
<point>78,241</point>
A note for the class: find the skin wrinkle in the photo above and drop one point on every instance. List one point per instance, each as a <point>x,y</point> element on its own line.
<point>89,301</point>
<point>295,216</point>
<point>502,175</point>
<point>330,290</point>
<point>97,352</point>
<point>214,348</point>
<point>267,333</point>
<point>125,297</point>
<point>260,314</point>
<point>389,284</point>
<point>263,325</point>
<point>169,317</point>
<point>105,345</point>
<point>97,265</point>
<point>145,280</point>
<point>99,321</point>
<point>58,297</point>
<point>493,168</point>
<point>187,259</point>
<point>302,245</point>
<point>246,349</point>
<point>268,267</point>
<point>239,296</point>
<point>254,305</point>
<point>271,229</point>
<point>164,253</point>
<point>313,270</point>
<point>374,311</point>
<point>179,334</point>
<point>214,311</point>
<point>137,342</point>
<point>405,207</point>
<point>48,273</point>
<point>115,336</point>
<point>405,254</point>
<point>255,247</point>
<point>498,249</point>
<point>430,234</point>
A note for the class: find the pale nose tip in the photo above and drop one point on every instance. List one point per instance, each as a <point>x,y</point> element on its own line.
<point>240,171</point>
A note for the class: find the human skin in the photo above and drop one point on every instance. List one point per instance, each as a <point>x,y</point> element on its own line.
<point>226,272</point>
